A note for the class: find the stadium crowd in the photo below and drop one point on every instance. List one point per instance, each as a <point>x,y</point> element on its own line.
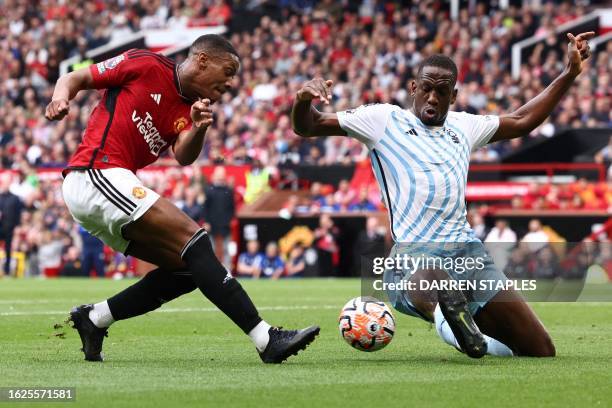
<point>368,48</point>
<point>578,195</point>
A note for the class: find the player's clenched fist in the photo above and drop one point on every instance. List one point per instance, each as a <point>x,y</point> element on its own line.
<point>57,109</point>
<point>316,88</point>
<point>201,114</point>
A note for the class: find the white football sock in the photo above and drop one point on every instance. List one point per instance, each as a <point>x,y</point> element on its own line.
<point>101,315</point>
<point>260,335</point>
<point>497,348</point>
<point>494,347</point>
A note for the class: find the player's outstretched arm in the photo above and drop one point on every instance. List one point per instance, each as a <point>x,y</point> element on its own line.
<point>66,88</point>
<point>533,113</point>
<point>306,120</point>
<point>188,144</point>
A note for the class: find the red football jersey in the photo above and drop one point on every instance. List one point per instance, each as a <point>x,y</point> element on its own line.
<point>140,115</point>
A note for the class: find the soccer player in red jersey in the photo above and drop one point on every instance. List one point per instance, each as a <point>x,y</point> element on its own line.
<point>150,104</point>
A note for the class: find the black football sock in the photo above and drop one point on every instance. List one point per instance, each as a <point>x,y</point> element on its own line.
<point>149,293</point>
<point>217,284</point>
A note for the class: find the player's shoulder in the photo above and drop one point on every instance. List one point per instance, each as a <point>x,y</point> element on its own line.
<point>149,58</point>
<point>465,117</point>
<point>373,108</point>
<point>371,112</point>
<point>460,116</point>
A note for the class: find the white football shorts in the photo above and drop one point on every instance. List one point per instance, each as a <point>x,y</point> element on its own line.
<point>104,201</point>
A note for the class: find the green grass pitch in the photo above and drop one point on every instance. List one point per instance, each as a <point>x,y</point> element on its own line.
<point>189,354</point>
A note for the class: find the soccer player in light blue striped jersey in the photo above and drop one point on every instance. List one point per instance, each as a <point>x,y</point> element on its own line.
<point>420,157</point>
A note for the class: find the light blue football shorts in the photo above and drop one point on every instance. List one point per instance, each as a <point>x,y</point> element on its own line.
<point>480,273</point>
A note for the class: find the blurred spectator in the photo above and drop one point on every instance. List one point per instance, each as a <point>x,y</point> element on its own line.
<point>517,202</point>
<point>120,266</point>
<point>546,265</point>
<point>517,266</point>
<point>219,13</point>
<point>605,257</point>
<point>330,204</point>
<point>193,205</point>
<point>326,242</point>
<point>257,182</point>
<point>605,154</point>
<point>362,203</point>
<point>371,238</point>
<point>344,196</point>
<point>71,265</point>
<point>10,216</point>
<point>370,242</point>
<point>499,242</point>
<point>579,268</point>
<point>485,154</point>
<point>314,156</point>
<point>218,212</point>
<point>249,262</point>
<point>50,253</point>
<point>501,232</point>
<point>536,238</point>
<point>296,262</point>
<point>316,197</point>
<point>92,256</point>
<point>478,225</point>
<point>272,266</point>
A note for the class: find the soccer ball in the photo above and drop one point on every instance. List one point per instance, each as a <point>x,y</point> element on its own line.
<point>366,324</point>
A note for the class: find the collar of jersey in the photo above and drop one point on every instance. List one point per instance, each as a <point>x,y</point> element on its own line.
<point>433,131</point>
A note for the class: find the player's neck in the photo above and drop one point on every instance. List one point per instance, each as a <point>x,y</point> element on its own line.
<point>184,82</point>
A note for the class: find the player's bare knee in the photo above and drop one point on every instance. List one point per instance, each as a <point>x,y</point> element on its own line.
<point>547,348</point>
<point>424,306</point>
<point>541,345</point>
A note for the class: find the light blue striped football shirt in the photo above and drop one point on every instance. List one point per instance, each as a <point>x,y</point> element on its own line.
<point>421,170</point>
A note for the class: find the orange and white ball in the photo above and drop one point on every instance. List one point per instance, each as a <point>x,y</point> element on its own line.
<point>367,324</point>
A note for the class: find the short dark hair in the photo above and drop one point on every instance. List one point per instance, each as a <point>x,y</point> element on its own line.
<point>440,61</point>
<point>212,44</point>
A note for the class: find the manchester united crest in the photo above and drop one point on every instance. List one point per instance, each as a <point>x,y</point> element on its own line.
<point>139,192</point>
<point>180,124</point>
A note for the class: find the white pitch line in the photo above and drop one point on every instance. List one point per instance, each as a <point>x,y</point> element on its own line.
<point>178,310</point>
<point>264,308</point>
<point>34,302</point>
